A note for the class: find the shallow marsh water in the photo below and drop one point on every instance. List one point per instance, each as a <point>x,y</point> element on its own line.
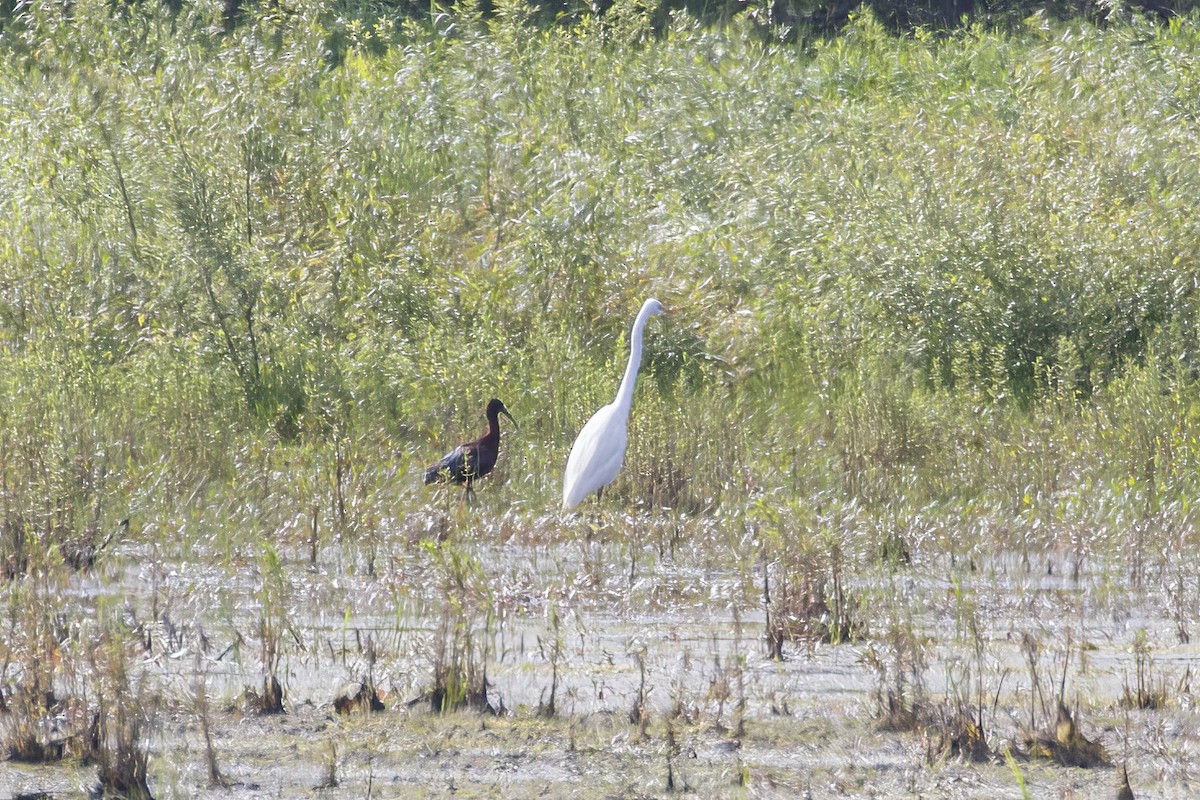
<point>612,614</point>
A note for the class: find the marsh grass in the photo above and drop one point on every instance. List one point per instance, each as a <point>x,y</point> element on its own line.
<point>274,629</point>
<point>1145,690</point>
<point>203,713</point>
<point>552,651</point>
<point>979,384</point>
<point>461,643</point>
<point>125,713</point>
<point>899,662</point>
<point>36,655</point>
<point>804,589</point>
<point>964,723</point>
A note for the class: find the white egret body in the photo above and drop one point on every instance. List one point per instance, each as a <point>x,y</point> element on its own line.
<point>599,449</point>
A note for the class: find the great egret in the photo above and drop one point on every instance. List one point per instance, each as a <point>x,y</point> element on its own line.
<point>471,460</point>
<point>599,448</point>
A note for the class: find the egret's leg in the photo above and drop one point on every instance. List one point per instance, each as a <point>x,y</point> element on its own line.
<point>593,516</point>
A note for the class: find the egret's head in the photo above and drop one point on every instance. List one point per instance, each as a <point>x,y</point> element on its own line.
<point>652,308</point>
<point>495,407</point>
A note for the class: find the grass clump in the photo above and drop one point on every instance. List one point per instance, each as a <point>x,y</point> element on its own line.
<point>274,626</point>
<point>32,683</point>
<point>803,585</point>
<point>125,712</point>
<point>460,645</point>
<point>1146,690</point>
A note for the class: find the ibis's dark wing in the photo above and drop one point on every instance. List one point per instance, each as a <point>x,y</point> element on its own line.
<point>458,465</point>
<point>485,457</point>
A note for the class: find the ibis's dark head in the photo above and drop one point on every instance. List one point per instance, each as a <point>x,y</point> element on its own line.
<point>495,407</point>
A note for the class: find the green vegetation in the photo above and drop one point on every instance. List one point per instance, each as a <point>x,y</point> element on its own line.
<point>933,298</point>
<point>962,267</point>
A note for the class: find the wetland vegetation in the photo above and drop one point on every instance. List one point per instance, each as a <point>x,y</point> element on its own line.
<point>912,469</point>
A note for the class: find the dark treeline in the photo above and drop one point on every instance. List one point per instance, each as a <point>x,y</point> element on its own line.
<point>824,16</point>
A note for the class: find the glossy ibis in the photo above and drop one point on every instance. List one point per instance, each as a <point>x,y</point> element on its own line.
<point>471,460</point>
<point>599,448</point>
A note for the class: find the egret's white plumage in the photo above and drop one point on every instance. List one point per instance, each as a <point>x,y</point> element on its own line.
<point>599,448</point>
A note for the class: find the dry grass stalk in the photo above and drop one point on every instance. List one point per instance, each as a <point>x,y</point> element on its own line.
<point>1124,790</point>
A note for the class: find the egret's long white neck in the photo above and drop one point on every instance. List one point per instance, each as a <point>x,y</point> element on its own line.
<point>625,393</point>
